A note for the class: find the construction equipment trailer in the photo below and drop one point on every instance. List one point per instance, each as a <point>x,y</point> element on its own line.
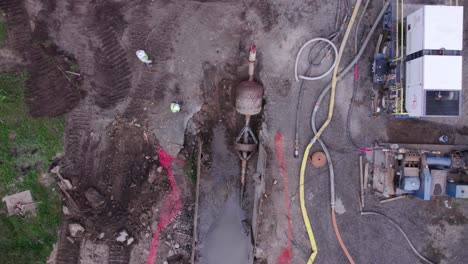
<point>417,66</point>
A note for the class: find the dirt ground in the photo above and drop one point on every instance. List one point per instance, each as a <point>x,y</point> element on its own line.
<point>118,121</point>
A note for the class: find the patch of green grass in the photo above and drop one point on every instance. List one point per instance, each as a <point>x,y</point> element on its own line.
<point>37,141</point>
<point>190,169</point>
<point>74,67</point>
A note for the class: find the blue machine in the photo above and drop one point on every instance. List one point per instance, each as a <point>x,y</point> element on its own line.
<point>427,162</point>
<point>424,191</point>
<point>379,68</point>
<point>457,190</point>
<point>439,161</point>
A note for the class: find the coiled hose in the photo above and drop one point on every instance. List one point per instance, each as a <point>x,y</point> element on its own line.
<point>317,136</point>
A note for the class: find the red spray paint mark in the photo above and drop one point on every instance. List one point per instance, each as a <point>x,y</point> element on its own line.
<point>285,256</point>
<point>356,73</point>
<point>365,150</point>
<point>170,207</point>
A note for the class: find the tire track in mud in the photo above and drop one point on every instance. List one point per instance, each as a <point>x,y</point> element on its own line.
<point>67,252</point>
<point>126,173</point>
<point>108,77</point>
<point>77,126</point>
<point>121,181</point>
<point>157,41</point>
<point>110,85</point>
<point>19,32</point>
<point>118,254</point>
<point>112,81</point>
<point>47,91</point>
<point>152,82</point>
<point>104,66</point>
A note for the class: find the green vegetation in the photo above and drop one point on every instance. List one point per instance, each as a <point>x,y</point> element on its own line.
<point>22,160</point>
<point>3,31</point>
<point>190,169</point>
<point>74,67</point>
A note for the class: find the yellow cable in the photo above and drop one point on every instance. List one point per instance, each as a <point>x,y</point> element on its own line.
<point>402,55</point>
<point>397,53</point>
<point>305,216</point>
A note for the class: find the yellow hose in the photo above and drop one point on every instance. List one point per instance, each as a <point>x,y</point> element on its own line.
<point>397,53</point>
<point>305,216</point>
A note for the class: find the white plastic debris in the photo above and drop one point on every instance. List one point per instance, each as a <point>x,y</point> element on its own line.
<point>75,229</point>
<point>447,204</point>
<point>67,184</point>
<point>143,57</point>
<point>152,176</point>
<point>175,107</point>
<point>70,239</point>
<point>65,210</point>
<point>122,237</point>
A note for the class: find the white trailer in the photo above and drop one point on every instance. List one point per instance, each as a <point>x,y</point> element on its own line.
<point>433,61</point>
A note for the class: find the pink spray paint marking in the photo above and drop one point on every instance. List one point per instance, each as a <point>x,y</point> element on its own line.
<point>285,256</point>
<point>365,150</point>
<point>171,205</point>
<point>356,73</point>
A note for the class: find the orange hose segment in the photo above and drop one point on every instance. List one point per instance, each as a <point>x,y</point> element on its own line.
<point>340,240</point>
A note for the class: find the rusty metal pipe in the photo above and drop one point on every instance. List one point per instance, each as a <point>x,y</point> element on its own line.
<point>249,96</point>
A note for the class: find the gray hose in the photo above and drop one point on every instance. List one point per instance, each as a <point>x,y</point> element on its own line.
<point>358,25</point>
<point>331,171</point>
<point>309,78</point>
<point>348,68</point>
<point>401,231</point>
<point>325,49</point>
<point>355,82</point>
<point>327,89</point>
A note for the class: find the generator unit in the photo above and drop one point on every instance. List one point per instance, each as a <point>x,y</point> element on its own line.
<point>433,61</point>
<point>417,66</point>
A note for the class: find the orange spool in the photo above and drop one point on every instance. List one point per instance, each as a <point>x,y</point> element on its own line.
<point>318,159</point>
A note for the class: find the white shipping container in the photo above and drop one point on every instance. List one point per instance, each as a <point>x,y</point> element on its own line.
<point>431,73</point>
<point>434,28</point>
<point>434,79</point>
